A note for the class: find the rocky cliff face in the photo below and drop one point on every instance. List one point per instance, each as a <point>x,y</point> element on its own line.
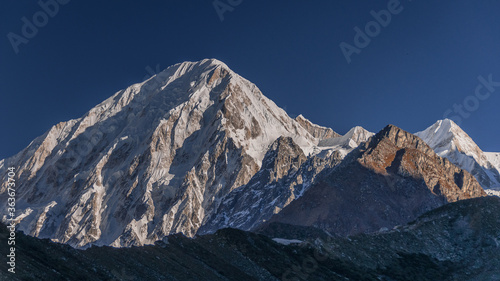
<point>154,159</point>
<point>409,156</point>
<point>285,175</point>
<point>387,181</point>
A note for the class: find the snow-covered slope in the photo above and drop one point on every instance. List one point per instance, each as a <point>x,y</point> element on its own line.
<point>319,132</point>
<point>347,142</point>
<point>285,175</point>
<point>154,159</point>
<point>448,140</point>
<point>494,158</point>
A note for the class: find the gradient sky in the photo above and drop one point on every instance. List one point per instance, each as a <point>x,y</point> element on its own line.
<point>424,61</point>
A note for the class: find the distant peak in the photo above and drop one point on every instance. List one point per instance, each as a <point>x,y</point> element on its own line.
<point>356,129</point>
<point>447,123</point>
<point>445,135</point>
<point>442,129</point>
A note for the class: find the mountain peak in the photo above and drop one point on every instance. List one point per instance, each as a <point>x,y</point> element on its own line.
<point>448,140</point>
<point>390,131</point>
<point>153,159</point>
<point>445,135</point>
<point>447,122</point>
<point>358,134</point>
<point>387,130</point>
<point>346,143</point>
<point>445,126</point>
<point>214,62</point>
<point>399,138</point>
<point>204,63</point>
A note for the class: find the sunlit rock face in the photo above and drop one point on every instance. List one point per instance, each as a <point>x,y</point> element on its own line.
<point>389,180</point>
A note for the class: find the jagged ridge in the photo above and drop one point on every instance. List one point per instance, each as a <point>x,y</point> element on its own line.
<point>388,180</point>
<point>154,159</point>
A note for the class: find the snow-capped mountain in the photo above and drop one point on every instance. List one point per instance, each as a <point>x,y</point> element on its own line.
<point>160,157</point>
<point>285,175</point>
<point>450,141</point>
<point>274,187</point>
<point>191,150</point>
<point>387,181</point>
<point>346,143</point>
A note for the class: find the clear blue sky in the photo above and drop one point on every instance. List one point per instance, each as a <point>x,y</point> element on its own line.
<point>423,62</point>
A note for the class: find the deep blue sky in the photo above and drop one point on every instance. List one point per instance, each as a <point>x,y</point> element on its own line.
<point>426,60</point>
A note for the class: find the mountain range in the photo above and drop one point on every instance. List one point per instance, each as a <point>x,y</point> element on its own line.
<point>198,148</point>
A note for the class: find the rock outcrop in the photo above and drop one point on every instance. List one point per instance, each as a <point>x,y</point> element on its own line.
<point>285,175</point>
<point>459,241</point>
<point>389,180</point>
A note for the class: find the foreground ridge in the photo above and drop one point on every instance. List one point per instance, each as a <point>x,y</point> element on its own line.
<point>440,245</point>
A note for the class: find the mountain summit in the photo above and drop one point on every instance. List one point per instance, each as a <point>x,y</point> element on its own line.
<point>153,159</point>
<point>450,141</point>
